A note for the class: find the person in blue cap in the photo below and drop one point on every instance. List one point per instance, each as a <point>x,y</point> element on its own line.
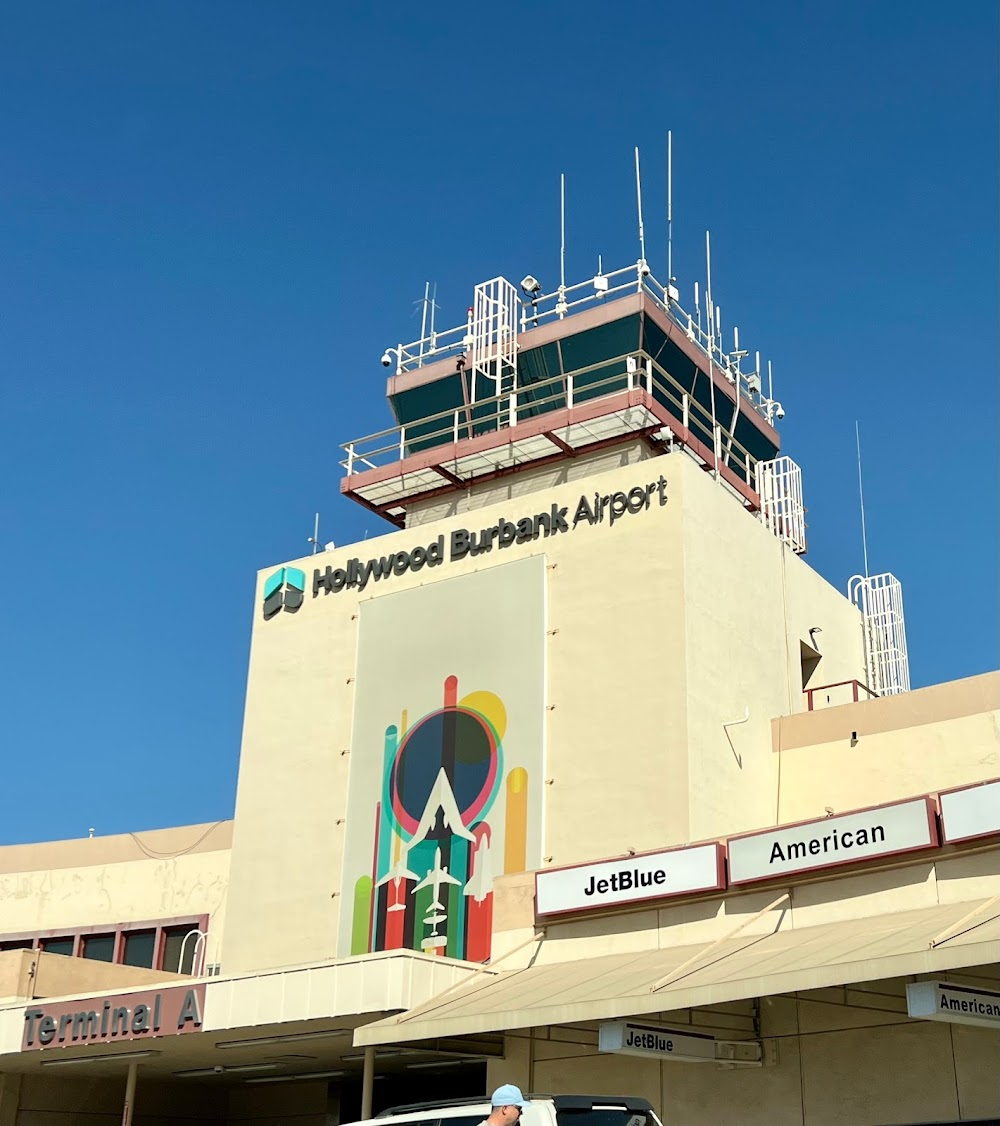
<point>507,1103</point>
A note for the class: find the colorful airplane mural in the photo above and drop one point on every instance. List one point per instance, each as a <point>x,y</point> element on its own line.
<point>431,882</point>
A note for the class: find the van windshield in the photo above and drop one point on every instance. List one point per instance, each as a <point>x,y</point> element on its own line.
<point>604,1116</point>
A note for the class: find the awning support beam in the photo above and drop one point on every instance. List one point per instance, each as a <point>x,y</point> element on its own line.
<point>955,928</point>
<point>487,967</point>
<point>676,973</point>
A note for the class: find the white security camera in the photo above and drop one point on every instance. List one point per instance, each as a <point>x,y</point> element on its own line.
<point>531,285</point>
<point>386,360</point>
<point>779,412</point>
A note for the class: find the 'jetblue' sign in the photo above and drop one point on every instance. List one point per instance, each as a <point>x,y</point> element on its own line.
<point>653,875</point>
<point>629,1039</point>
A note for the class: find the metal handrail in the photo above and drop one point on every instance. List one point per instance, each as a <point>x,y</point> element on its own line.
<point>560,303</point>
<point>500,412</point>
<point>856,686</point>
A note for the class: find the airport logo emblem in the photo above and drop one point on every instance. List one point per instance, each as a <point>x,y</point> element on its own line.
<point>284,590</point>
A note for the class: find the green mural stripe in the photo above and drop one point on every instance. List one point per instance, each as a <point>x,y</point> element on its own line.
<point>362,913</point>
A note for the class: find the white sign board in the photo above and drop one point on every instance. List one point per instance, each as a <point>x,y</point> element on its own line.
<point>884,831</point>
<point>654,875</point>
<point>956,1004</point>
<point>659,1043</point>
<point>971,812</point>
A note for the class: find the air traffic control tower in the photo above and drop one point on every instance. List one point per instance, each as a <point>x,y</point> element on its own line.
<point>536,389</point>
<point>592,596</point>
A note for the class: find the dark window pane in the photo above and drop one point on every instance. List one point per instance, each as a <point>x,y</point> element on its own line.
<point>17,944</point>
<point>139,948</point>
<point>174,945</point>
<point>603,1116</point>
<point>99,947</point>
<point>57,945</point>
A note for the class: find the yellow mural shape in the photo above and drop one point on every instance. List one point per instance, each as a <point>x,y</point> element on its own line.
<point>490,705</point>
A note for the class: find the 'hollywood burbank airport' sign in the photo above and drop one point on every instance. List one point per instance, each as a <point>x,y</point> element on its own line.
<point>461,542</point>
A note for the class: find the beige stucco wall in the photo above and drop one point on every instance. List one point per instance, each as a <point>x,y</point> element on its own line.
<point>659,630</point>
<point>919,742</point>
<point>163,874</point>
<point>539,479</point>
<point>32,974</point>
<point>748,603</point>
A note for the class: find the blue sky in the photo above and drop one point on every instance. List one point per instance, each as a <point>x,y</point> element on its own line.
<point>214,217</point>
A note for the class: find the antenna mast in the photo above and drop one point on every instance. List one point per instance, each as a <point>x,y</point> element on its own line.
<point>562,230</point>
<point>561,307</point>
<point>711,338</point>
<point>670,212</point>
<point>314,538</point>
<point>861,495</point>
<point>423,319</point>
<point>638,196</point>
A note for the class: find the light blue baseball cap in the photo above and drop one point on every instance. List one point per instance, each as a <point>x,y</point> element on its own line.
<point>508,1095</point>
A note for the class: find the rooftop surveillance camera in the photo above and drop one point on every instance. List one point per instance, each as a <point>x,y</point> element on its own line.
<point>531,285</point>
<point>386,359</point>
<point>779,411</point>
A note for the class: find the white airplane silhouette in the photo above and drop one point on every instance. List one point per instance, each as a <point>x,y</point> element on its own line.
<point>441,798</point>
<point>481,882</point>
<point>396,874</point>
<point>437,876</point>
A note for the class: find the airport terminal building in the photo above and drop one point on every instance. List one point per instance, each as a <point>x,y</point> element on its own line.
<point>579,777</point>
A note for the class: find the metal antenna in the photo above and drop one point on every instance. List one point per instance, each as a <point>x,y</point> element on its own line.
<point>562,231</point>
<point>861,494</point>
<point>561,307</point>
<point>314,538</point>
<point>638,196</point>
<point>711,338</point>
<point>423,319</point>
<point>670,210</point>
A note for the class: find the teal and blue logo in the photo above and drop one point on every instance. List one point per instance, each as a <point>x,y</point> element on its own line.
<point>284,590</point>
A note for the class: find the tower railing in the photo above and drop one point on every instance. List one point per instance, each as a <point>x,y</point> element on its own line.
<point>880,600</point>
<point>632,371</point>
<point>540,308</point>
<point>779,483</point>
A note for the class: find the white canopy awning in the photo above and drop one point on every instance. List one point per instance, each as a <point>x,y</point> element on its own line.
<point>930,940</point>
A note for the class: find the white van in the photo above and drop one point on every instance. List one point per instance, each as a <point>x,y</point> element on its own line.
<point>539,1110</point>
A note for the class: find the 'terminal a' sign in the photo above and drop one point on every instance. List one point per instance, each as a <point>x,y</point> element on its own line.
<point>629,1039</point>
<point>103,1020</point>
<point>955,1004</point>
<point>651,875</point>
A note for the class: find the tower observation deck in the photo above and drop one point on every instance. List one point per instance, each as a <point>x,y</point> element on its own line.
<point>534,378</point>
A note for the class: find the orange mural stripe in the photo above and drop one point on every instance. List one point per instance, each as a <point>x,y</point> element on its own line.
<point>515,838</point>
